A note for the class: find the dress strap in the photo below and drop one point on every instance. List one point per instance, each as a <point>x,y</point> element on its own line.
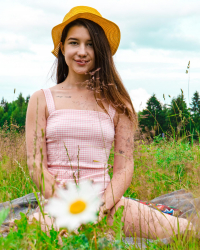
<point>111,111</point>
<point>49,100</point>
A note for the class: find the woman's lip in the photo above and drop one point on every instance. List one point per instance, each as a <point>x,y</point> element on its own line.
<point>82,63</point>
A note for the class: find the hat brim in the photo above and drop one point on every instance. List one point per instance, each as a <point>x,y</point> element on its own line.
<point>111,30</point>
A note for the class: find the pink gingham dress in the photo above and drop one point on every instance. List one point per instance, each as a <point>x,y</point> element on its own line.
<point>69,130</point>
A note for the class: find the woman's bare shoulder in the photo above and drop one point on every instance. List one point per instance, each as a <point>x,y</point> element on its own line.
<point>37,99</point>
<point>38,94</point>
<point>35,115</point>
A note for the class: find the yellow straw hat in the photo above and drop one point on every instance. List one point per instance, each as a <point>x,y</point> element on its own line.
<point>111,30</point>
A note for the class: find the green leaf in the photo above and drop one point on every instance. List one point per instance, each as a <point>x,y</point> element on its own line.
<point>118,225</point>
<point>3,214</point>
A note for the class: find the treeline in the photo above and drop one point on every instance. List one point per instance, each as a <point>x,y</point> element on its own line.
<point>175,119</point>
<point>14,112</point>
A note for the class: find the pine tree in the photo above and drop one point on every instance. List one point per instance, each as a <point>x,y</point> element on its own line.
<point>2,101</point>
<point>195,108</point>
<point>4,104</point>
<point>153,116</point>
<point>20,100</point>
<point>178,113</point>
<point>27,99</point>
<point>195,105</point>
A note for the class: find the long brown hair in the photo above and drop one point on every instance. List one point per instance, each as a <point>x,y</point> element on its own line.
<point>106,78</point>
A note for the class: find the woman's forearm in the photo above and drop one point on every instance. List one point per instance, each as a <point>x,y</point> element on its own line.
<point>116,188</point>
<point>43,179</point>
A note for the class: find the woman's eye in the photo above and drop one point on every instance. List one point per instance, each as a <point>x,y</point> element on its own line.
<point>73,42</point>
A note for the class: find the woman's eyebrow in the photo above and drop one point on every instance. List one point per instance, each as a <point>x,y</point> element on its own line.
<point>71,38</point>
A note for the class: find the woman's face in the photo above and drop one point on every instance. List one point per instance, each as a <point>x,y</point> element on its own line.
<point>78,50</point>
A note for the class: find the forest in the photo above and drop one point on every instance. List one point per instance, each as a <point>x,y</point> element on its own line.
<point>174,119</point>
<point>14,112</point>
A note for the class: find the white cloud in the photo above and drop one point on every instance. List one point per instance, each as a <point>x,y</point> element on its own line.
<point>158,38</point>
<point>153,55</point>
<point>12,43</point>
<point>17,17</point>
<point>139,98</point>
<point>145,23</point>
<point>157,65</point>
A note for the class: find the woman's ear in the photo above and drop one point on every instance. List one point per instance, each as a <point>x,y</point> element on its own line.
<point>62,48</point>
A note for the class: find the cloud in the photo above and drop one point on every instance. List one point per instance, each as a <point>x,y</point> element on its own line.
<point>27,25</point>
<point>158,38</point>
<point>139,98</point>
<point>144,24</point>
<point>11,43</point>
<point>156,64</point>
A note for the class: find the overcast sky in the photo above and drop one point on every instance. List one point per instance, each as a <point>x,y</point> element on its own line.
<point>158,38</point>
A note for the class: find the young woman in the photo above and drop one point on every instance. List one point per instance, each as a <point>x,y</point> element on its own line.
<point>76,122</point>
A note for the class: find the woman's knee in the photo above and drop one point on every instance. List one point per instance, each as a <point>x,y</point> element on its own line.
<point>120,203</point>
<point>137,217</point>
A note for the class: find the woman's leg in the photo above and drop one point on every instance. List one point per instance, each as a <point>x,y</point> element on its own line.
<point>147,222</point>
<point>46,222</point>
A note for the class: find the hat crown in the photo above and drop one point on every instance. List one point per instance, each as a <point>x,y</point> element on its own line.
<point>80,9</point>
<point>111,30</point>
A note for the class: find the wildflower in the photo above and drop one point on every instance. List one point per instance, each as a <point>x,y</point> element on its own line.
<point>76,205</point>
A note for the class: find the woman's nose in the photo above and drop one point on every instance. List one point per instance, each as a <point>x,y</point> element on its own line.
<point>82,50</point>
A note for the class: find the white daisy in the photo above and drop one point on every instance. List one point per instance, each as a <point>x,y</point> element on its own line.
<point>76,205</point>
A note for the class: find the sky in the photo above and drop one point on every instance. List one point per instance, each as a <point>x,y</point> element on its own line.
<point>158,39</point>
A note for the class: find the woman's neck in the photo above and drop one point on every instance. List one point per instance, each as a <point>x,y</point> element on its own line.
<point>76,81</point>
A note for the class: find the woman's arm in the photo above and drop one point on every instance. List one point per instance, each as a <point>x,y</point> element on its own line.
<point>123,162</point>
<point>36,144</point>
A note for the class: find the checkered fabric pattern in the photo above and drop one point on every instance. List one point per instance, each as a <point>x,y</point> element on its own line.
<point>69,131</point>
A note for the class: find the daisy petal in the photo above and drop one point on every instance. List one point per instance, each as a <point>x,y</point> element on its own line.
<point>76,205</point>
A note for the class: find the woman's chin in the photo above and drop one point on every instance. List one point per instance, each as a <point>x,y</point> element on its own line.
<point>82,71</point>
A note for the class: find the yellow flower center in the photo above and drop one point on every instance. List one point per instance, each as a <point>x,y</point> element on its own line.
<point>77,207</point>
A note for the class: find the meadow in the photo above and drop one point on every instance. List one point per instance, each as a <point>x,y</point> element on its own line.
<point>160,167</point>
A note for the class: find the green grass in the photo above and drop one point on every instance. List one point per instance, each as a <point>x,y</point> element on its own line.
<point>159,168</point>
<point>15,181</point>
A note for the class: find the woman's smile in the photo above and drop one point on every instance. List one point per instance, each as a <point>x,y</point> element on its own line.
<point>82,62</point>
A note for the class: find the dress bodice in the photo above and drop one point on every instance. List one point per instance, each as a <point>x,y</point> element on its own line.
<point>78,142</point>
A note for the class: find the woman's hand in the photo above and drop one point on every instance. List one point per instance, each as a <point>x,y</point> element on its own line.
<point>103,211</point>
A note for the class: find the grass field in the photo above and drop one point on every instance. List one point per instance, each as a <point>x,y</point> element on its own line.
<point>159,168</point>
